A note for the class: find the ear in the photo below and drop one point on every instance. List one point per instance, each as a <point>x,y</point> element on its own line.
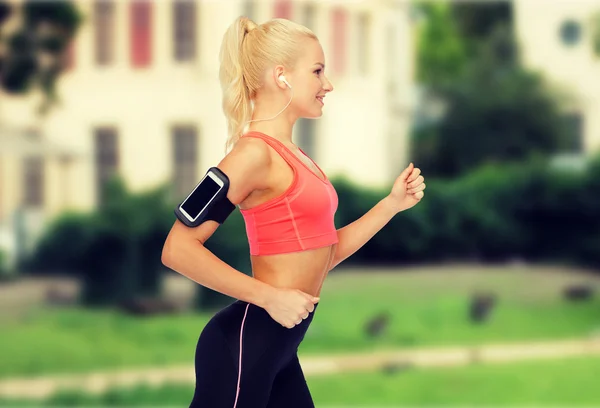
<point>277,71</point>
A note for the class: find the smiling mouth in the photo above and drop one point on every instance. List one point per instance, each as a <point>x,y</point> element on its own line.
<point>320,98</point>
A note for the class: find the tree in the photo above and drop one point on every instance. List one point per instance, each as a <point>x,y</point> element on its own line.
<point>491,109</point>
<point>441,53</point>
<point>477,21</point>
<point>33,53</point>
<point>453,33</point>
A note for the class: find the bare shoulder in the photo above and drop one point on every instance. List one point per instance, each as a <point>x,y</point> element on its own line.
<point>247,165</point>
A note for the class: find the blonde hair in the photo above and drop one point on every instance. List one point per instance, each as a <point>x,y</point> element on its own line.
<point>247,50</point>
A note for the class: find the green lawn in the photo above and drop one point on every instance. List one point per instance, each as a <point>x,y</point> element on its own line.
<point>427,307</point>
<point>569,382</point>
<point>557,382</point>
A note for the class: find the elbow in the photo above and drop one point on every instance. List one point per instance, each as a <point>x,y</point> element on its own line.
<point>173,249</point>
<point>165,257</point>
<point>167,252</point>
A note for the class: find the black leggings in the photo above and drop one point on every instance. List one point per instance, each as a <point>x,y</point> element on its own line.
<point>271,376</point>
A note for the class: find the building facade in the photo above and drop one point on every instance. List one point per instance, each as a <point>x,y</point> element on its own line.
<point>561,40</point>
<point>141,98</point>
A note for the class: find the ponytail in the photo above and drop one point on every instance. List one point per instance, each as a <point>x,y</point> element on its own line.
<point>246,51</point>
<point>236,95</point>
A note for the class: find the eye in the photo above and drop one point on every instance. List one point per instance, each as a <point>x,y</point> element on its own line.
<point>318,71</point>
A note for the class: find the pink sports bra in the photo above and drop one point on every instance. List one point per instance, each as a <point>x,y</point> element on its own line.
<point>301,218</point>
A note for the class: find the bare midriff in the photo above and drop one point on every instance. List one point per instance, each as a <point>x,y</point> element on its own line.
<point>303,270</point>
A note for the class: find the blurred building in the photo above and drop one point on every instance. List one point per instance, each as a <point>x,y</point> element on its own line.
<point>561,39</point>
<point>141,98</point>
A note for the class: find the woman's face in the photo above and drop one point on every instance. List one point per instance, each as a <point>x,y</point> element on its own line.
<point>308,81</point>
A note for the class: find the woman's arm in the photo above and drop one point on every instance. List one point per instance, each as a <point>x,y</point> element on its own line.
<point>191,259</point>
<point>406,192</point>
<point>247,167</point>
<point>356,234</point>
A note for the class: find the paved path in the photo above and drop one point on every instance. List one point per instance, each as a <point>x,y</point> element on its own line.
<point>98,382</point>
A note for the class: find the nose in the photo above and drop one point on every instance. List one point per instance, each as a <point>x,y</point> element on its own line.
<point>327,85</point>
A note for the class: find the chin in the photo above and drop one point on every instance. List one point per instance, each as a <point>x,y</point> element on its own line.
<point>317,113</point>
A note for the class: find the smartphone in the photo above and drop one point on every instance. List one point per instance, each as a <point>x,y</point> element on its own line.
<point>203,194</point>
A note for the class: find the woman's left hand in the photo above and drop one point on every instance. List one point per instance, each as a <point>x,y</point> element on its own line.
<point>407,190</point>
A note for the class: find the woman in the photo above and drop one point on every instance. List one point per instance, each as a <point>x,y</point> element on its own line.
<point>271,75</point>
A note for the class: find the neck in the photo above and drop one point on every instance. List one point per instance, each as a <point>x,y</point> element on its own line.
<point>279,128</point>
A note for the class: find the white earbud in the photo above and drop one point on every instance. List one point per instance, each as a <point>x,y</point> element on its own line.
<point>282,79</point>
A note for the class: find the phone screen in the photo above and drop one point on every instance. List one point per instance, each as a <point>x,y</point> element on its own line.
<point>200,197</point>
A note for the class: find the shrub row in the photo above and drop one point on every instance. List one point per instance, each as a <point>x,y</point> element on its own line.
<point>529,211</point>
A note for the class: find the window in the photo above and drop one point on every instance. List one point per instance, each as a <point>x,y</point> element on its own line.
<point>595,29</point>
<point>33,177</point>
<point>141,32</point>
<point>306,136</point>
<point>389,59</point>
<point>574,124</point>
<point>185,159</point>
<point>283,9</point>
<point>570,32</point>
<point>249,9</point>
<point>107,159</point>
<point>309,14</point>
<point>338,20</point>
<point>104,24</point>
<point>363,40</point>
<point>68,58</point>
<point>184,30</point>
<point>33,170</point>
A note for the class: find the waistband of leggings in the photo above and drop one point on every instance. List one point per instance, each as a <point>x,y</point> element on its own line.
<point>244,303</point>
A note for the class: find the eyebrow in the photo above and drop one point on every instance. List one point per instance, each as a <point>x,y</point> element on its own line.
<point>320,63</point>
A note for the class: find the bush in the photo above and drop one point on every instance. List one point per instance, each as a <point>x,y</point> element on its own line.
<point>526,210</point>
<point>61,249</point>
<point>116,250</point>
<point>499,212</point>
<point>4,271</point>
